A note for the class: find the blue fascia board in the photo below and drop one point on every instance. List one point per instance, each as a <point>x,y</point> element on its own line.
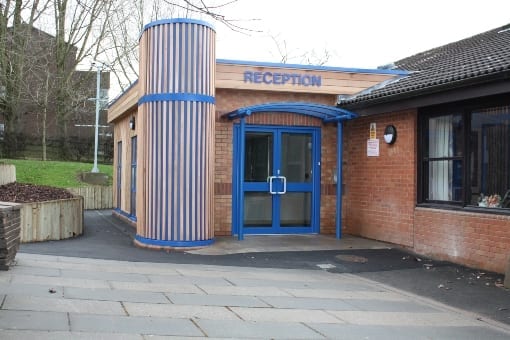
<point>177,21</point>
<point>312,67</point>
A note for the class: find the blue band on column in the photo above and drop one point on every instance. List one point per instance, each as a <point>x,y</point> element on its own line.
<point>173,244</point>
<point>171,97</point>
<point>177,21</point>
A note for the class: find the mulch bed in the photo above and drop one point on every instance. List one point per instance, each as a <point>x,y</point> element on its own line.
<point>27,193</point>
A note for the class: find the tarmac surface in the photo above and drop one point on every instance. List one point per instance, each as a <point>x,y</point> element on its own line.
<point>99,285</point>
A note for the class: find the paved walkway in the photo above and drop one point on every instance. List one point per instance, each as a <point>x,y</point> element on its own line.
<point>59,297</point>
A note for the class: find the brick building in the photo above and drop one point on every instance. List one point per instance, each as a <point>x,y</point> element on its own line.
<point>207,147</point>
<point>37,90</point>
<point>443,187</point>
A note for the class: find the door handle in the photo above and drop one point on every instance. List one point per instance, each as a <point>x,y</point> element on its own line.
<point>270,180</point>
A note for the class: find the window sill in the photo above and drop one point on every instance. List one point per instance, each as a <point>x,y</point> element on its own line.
<point>472,209</point>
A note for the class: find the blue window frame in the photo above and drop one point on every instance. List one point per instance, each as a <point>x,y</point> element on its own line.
<point>132,211</point>
<point>119,174</point>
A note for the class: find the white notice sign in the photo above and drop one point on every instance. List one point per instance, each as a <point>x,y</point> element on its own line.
<point>373,147</point>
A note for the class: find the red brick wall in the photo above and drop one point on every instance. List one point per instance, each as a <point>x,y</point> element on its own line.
<point>380,192</point>
<point>229,100</point>
<point>473,239</point>
<point>380,201</point>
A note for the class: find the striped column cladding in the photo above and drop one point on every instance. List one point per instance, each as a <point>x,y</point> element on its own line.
<point>176,104</point>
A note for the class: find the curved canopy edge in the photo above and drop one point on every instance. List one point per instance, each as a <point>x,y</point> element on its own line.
<point>325,112</point>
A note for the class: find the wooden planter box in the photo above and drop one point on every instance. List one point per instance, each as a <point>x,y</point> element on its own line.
<point>95,197</point>
<point>7,174</point>
<point>51,220</point>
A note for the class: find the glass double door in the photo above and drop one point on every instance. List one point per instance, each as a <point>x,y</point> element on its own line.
<point>281,174</point>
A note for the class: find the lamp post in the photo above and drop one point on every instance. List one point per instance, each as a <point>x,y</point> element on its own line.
<point>99,67</point>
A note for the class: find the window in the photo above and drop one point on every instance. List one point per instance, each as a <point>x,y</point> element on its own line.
<point>133,176</point>
<point>465,156</point>
<point>119,174</point>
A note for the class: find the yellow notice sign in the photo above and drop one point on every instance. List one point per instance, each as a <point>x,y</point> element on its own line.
<point>373,129</point>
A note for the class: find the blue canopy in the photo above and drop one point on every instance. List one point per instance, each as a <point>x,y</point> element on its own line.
<point>325,112</point>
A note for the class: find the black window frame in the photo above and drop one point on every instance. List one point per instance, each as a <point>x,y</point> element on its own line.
<point>465,109</point>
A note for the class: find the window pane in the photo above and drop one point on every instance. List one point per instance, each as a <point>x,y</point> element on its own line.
<point>258,210</point>
<point>490,156</point>
<point>296,158</point>
<point>258,160</point>
<point>445,180</point>
<point>296,208</point>
<point>445,136</point>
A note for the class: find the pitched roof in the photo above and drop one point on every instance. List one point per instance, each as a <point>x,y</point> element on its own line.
<point>471,60</point>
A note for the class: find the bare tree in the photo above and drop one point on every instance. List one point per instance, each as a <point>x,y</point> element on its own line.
<point>126,24</point>
<point>308,58</point>
<point>14,43</point>
<point>46,85</point>
<point>80,33</point>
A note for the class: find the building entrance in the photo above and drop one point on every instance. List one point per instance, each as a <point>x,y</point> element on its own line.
<point>280,181</point>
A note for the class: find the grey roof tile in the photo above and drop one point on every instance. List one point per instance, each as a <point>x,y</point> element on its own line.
<point>456,64</point>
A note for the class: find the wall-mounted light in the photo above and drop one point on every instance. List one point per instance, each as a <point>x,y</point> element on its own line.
<point>390,134</point>
<point>132,123</point>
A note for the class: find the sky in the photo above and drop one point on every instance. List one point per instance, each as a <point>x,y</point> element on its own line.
<point>352,33</point>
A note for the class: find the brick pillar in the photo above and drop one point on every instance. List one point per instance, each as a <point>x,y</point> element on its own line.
<point>10,229</point>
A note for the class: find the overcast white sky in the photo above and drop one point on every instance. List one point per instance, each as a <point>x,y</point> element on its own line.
<point>356,33</point>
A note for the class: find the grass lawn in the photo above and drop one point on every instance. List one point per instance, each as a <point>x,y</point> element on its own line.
<point>53,173</point>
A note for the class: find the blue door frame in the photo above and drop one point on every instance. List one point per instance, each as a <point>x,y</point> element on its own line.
<point>276,184</point>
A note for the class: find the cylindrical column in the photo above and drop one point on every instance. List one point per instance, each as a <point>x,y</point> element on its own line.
<point>176,107</point>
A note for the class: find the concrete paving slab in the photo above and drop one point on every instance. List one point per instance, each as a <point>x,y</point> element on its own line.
<point>322,284</point>
<point>31,270</point>
<point>252,329</point>
<point>188,280</point>
<point>343,294</point>
<point>216,300</point>
<point>448,333</point>
<point>157,337</point>
<point>48,261</point>
<point>133,325</point>
<point>309,303</point>
<point>356,332</point>
<point>5,277</point>
<point>179,311</point>
<point>253,273</point>
<point>31,320</point>
<point>251,291</point>
<point>33,303</point>
<point>59,281</point>
<point>100,275</point>
<point>394,306</point>
<point>405,318</point>
<point>32,290</point>
<point>284,315</point>
<point>157,287</point>
<point>51,335</point>
<point>114,295</point>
